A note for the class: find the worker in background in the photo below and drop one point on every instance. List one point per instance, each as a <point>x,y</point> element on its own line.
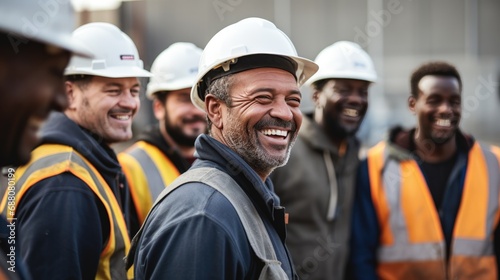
<point>31,85</point>
<point>166,150</point>
<point>316,186</point>
<point>72,196</point>
<point>427,199</point>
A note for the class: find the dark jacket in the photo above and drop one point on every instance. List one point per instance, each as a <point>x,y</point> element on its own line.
<point>365,227</point>
<point>12,266</point>
<point>63,227</point>
<point>318,234</point>
<point>195,233</point>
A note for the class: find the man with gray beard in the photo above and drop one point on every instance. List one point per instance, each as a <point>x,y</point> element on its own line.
<point>221,218</point>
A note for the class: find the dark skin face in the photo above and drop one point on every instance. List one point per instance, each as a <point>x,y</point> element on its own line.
<point>341,106</point>
<point>438,111</point>
<point>31,85</point>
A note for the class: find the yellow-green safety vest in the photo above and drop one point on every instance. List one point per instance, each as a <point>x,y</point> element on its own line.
<point>148,171</point>
<point>51,160</point>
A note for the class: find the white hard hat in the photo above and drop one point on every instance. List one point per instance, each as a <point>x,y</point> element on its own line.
<point>344,60</point>
<point>115,54</point>
<point>249,43</point>
<point>174,68</point>
<point>45,21</point>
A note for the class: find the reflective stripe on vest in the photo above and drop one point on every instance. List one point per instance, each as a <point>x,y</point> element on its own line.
<point>148,172</point>
<point>52,160</point>
<point>412,242</point>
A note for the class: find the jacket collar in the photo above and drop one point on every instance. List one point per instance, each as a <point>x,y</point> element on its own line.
<point>401,145</point>
<point>313,134</point>
<point>210,150</point>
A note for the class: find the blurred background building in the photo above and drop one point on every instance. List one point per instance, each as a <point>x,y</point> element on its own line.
<point>398,34</point>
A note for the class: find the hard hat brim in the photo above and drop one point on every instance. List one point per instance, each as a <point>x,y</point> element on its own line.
<point>43,36</point>
<point>342,75</point>
<point>111,72</point>
<point>186,82</point>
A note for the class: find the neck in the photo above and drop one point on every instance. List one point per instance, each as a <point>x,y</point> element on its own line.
<point>337,138</point>
<point>433,152</point>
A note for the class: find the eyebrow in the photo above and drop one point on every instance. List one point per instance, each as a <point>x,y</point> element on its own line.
<point>274,90</point>
<point>111,84</point>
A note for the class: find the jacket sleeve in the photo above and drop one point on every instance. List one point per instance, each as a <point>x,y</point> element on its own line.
<point>60,232</point>
<point>365,229</point>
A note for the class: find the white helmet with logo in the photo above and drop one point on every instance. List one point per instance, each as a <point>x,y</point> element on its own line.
<point>249,43</point>
<point>115,54</point>
<point>45,21</point>
<point>175,68</point>
<point>344,60</point>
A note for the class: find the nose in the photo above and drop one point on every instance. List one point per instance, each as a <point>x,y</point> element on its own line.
<point>281,110</point>
<point>356,98</point>
<point>129,100</point>
<point>445,108</point>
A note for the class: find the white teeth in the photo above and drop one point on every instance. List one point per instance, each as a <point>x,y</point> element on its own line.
<point>122,117</point>
<point>351,112</point>
<point>275,132</point>
<point>443,122</point>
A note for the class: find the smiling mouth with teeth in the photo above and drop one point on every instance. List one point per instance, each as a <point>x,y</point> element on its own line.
<point>275,132</point>
<point>443,122</point>
<point>122,117</point>
<point>351,112</point>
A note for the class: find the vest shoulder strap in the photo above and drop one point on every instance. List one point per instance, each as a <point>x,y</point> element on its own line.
<point>252,223</point>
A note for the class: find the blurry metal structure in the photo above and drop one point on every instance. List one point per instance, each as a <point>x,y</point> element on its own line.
<point>398,34</point>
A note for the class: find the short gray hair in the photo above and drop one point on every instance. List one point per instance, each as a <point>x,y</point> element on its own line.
<point>220,89</point>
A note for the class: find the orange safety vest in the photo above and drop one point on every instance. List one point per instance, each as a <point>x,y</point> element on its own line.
<point>148,171</point>
<point>412,245</point>
<point>51,160</point>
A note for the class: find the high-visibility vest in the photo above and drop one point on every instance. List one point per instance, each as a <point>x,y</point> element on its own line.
<point>148,171</point>
<point>51,160</point>
<point>412,244</point>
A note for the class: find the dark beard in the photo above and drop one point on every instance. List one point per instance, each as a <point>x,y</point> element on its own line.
<point>334,130</point>
<point>179,137</point>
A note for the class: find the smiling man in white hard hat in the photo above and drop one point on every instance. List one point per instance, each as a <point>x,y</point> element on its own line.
<point>166,150</point>
<point>317,185</point>
<point>72,203</point>
<point>224,220</point>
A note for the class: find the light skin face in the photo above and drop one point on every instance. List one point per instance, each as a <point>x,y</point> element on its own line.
<point>105,106</point>
<point>180,121</point>
<point>263,122</point>
<point>341,106</point>
<point>31,85</point>
<point>438,110</point>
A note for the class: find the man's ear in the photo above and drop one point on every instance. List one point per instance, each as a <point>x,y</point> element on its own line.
<point>71,89</point>
<point>159,109</point>
<point>214,108</point>
<point>411,103</point>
